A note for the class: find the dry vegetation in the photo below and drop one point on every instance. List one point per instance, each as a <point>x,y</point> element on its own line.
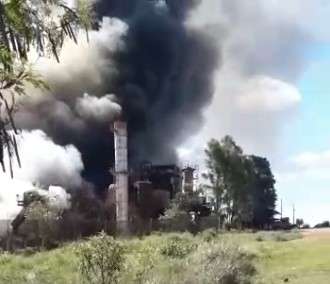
<point>208,257</point>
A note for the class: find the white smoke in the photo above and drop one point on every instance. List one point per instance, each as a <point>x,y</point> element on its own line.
<point>263,56</point>
<point>99,109</point>
<point>43,163</point>
<point>46,163</point>
<point>86,62</point>
<point>58,198</point>
<point>9,191</point>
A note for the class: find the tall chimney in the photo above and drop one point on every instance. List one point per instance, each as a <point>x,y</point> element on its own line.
<point>121,176</point>
<point>188,180</point>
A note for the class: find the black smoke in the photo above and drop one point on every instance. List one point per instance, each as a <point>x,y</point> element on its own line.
<point>163,81</point>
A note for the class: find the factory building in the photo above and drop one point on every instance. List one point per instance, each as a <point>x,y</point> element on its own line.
<point>147,189</point>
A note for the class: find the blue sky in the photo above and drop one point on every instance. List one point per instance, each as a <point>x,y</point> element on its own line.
<point>310,132</point>
<point>312,129</point>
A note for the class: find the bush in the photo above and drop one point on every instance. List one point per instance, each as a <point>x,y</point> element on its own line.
<point>325,224</point>
<point>278,236</point>
<point>100,259</point>
<point>209,235</point>
<point>260,238</point>
<point>177,247</point>
<point>175,220</point>
<point>142,257</point>
<point>4,257</point>
<point>212,262</point>
<point>221,263</point>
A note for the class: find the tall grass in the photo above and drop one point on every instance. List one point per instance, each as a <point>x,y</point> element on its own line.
<point>278,236</point>
<point>160,259</point>
<point>186,259</point>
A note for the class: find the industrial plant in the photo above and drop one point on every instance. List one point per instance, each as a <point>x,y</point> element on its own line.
<point>148,188</point>
<point>137,197</point>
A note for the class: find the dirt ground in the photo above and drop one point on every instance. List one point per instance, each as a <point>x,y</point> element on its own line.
<point>323,233</point>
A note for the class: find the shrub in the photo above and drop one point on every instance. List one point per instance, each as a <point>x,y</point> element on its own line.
<point>325,224</point>
<point>139,263</point>
<point>175,220</point>
<point>100,259</point>
<point>4,257</point>
<point>289,236</point>
<point>41,225</point>
<point>260,238</point>
<point>177,247</point>
<point>278,236</point>
<point>221,263</point>
<point>209,235</point>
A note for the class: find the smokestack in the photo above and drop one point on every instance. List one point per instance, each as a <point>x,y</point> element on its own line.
<point>121,176</point>
<point>188,180</point>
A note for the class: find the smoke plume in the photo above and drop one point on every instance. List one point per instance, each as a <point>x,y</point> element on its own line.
<point>263,48</point>
<point>160,70</point>
<point>46,167</point>
<point>99,109</point>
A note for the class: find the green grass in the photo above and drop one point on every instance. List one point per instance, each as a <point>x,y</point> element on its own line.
<point>58,267</point>
<point>302,261</point>
<point>279,256</point>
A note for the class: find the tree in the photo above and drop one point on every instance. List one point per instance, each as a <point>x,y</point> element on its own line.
<point>228,173</point>
<point>25,25</point>
<point>300,222</point>
<point>39,214</point>
<point>178,216</point>
<point>262,192</point>
<point>243,186</point>
<point>325,224</point>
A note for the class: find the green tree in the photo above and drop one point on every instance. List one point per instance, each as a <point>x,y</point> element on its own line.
<point>43,221</point>
<point>177,217</point>
<point>262,192</point>
<point>300,222</point>
<point>228,174</point>
<point>40,26</point>
<point>243,185</point>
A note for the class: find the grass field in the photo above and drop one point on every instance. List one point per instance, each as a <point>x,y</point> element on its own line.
<point>280,258</point>
<point>303,261</point>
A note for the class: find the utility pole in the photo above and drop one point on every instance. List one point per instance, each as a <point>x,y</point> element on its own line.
<point>293,214</point>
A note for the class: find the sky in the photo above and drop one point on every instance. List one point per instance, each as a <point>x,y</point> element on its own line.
<point>308,141</point>
<point>272,94</point>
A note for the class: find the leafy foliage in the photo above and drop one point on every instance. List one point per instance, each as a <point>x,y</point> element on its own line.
<point>300,222</point>
<point>41,225</point>
<point>262,192</point>
<point>243,186</point>
<point>278,236</point>
<point>26,25</point>
<point>325,224</point>
<point>100,259</point>
<point>228,174</point>
<point>177,247</point>
<point>143,262</point>
<point>223,263</point>
<point>184,212</point>
<point>39,214</point>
